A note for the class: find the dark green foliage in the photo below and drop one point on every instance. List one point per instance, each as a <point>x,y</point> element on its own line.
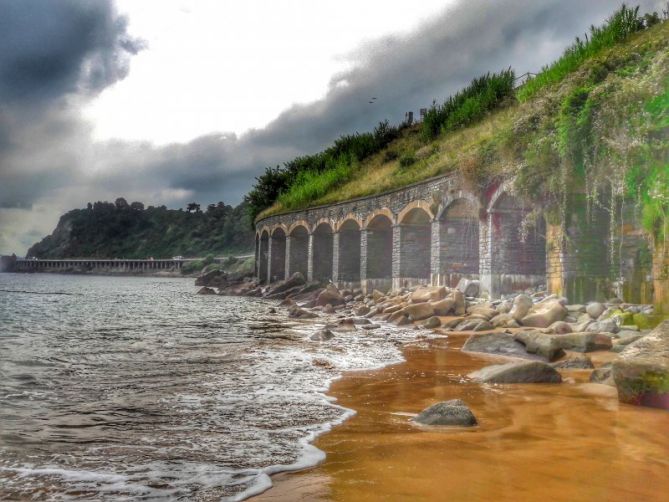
<point>117,230</point>
<point>617,28</point>
<point>299,175</point>
<point>469,105</point>
<point>407,160</point>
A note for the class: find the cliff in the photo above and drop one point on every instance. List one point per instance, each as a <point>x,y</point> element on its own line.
<point>122,230</point>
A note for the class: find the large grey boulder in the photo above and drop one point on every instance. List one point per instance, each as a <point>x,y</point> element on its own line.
<point>453,412</point>
<point>501,344</point>
<point>523,372</point>
<point>521,306</point>
<point>552,346</point>
<point>641,373</point>
<point>330,295</point>
<point>204,290</point>
<point>295,280</point>
<point>595,309</point>
<point>578,362</point>
<point>606,325</point>
<point>544,314</point>
<point>541,344</point>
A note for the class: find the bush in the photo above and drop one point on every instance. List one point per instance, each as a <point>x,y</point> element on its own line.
<point>407,160</point>
<point>617,28</point>
<point>469,105</point>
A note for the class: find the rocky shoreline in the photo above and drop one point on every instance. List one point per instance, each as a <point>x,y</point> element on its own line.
<point>541,333</point>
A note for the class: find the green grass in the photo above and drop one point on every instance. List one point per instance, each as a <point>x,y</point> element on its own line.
<point>618,28</point>
<point>312,185</point>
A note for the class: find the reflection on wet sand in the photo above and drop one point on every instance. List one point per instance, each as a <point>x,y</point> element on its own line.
<point>565,442</point>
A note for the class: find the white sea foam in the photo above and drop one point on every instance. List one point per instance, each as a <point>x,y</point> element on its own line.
<point>140,402</point>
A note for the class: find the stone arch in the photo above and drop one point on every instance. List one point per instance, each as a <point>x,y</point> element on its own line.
<point>263,256</point>
<point>517,244</point>
<point>323,221</point>
<point>277,226</point>
<point>322,236</point>
<point>298,249</point>
<point>349,217</point>
<point>415,236</point>
<point>298,223</point>
<point>458,249</point>
<point>277,270</point>
<point>411,209</point>
<point>379,212</point>
<point>348,251</point>
<point>379,246</point>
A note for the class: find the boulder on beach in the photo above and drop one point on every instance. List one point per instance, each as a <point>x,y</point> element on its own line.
<point>641,373</point>
<point>330,295</point>
<point>470,288</point>
<point>504,321</point>
<point>322,335</point>
<point>443,307</point>
<point>602,375</point>
<point>521,306</point>
<point>606,325</point>
<point>579,361</point>
<point>428,294</point>
<point>205,291</point>
<point>454,412</point>
<point>544,314</point>
<point>595,309</point>
<point>460,304</point>
<point>432,322</point>
<point>418,311</point>
<point>299,313</point>
<point>521,372</point>
<point>277,290</point>
<point>501,344</point>
<point>541,344</point>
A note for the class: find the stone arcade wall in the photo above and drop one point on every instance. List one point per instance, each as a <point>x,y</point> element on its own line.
<point>436,232</point>
<point>99,266</point>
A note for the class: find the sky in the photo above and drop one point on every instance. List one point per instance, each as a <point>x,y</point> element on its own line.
<point>173,101</point>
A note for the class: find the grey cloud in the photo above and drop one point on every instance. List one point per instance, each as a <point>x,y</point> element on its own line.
<point>57,160</point>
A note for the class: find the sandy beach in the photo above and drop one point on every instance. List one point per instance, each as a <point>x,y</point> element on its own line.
<point>561,442</point>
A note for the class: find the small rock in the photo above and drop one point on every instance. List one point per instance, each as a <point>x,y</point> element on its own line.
<point>453,412</point>
<point>206,291</point>
<point>432,322</point>
<point>523,372</point>
<point>574,362</point>
<point>560,328</point>
<point>595,309</point>
<point>544,314</point>
<point>361,310</point>
<point>607,326</point>
<point>602,375</point>
<point>322,335</point>
<point>484,326</point>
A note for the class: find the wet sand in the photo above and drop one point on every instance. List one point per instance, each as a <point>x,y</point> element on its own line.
<point>562,442</point>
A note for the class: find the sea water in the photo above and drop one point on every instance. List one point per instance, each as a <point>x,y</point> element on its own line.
<point>131,388</point>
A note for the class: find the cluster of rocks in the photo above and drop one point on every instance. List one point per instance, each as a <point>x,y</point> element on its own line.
<point>543,333</point>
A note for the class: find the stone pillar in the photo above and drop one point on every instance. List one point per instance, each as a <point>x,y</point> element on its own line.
<point>363,259</point>
<point>289,272</point>
<point>269,259</point>
<point>485,254</point>
<point>435,254</point>
<point>397,257</point>
<point>335,257</point>
<point>310,258</point>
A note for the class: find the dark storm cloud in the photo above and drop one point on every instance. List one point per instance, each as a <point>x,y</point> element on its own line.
<point>55,54</point>
<point>403,72</point>
<point>54,47</point>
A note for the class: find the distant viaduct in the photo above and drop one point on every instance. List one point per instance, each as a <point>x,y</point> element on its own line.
<point>437,232</point>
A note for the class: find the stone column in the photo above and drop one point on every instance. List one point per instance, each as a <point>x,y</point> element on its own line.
<point>287,266</point>
<point>269,260</point>
<point>363,259</point>
<point>397,257</point>
<point>485,254</point>
<point>310,258</point>
<point>435,253</point>
<point>335,257</point>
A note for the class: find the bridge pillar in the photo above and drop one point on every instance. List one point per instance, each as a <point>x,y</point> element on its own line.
<point>335,257</point>
<point>310,258</point>
<point>397,257</point>
<point>289,272</point>
<point>269,260</point>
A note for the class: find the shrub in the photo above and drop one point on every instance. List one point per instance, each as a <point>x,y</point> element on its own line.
<point>407,160</point>
<point>469,105</point>
<point>617,28</point>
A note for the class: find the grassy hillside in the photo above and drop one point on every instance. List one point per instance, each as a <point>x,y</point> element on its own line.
<point>122,230</point>
<point>597,118</point>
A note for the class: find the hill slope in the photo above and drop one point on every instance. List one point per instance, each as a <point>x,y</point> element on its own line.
<point>598,122</point>
<point>121,230</point>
